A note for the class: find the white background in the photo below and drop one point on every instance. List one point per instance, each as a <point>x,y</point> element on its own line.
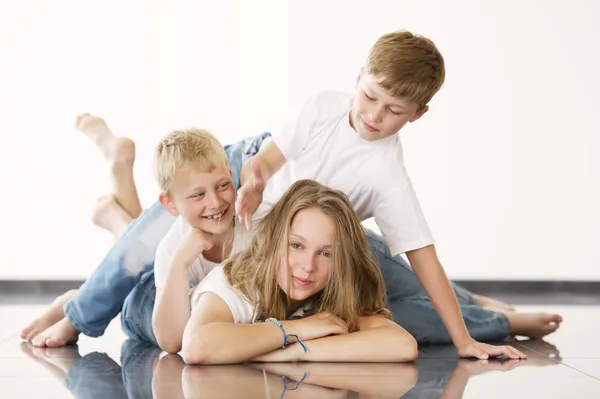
<point>504,163</point>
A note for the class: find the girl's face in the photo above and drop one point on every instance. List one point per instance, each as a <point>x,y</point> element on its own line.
<point>308,255</point>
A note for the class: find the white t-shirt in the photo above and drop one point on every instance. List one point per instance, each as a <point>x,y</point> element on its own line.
<point>242,310</point>
<point>201,267</point>
<point>215,282</point>
<point>320,144</point>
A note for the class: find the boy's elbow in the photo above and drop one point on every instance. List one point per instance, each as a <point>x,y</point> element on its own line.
<point>169,346</point>
<point>165,340</point>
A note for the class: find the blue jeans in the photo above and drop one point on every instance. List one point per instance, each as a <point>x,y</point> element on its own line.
<point>124,280</point>
<point>412,309</point>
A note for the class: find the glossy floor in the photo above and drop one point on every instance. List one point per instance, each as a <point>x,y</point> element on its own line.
<point>565,365</point>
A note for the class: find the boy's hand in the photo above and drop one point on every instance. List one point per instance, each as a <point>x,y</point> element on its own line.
<point>250,195</point>
<point>472,348</point>
<point>194,243</point>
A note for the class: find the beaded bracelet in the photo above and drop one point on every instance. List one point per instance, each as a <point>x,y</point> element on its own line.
<point>285,336</point>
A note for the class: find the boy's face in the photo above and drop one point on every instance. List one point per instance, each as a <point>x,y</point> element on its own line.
<point>205,200</point>
<point>376,114</point>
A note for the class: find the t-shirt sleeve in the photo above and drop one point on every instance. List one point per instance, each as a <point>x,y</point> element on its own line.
<point>167,248</point>
<point>294,135</point>
<point>216,283</point>
<point>399,216</point>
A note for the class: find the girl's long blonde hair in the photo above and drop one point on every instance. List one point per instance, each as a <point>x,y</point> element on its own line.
<point>356,286</point>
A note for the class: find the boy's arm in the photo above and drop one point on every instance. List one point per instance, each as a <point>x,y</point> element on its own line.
<point>379,340</point>
<point>270,160</point>
<point>285,146</point>
<point>253,179</point>
<point>172,308</point>
<point>431,275</point>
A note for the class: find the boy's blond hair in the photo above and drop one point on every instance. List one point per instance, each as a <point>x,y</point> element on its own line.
<point>180,148</point>
<point>408,66</point>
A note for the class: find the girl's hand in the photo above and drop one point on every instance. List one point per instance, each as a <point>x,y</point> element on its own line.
<point>316,326</point>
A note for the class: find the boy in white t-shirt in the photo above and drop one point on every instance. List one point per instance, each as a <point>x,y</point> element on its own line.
<point>350,142</point>
<point>196,233</point>
<point>196,187</point>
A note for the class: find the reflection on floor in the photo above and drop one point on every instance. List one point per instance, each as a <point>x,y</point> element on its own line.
<point>565,365</point>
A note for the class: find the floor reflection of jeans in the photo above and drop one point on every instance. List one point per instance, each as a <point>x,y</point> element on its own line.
<point>96,375</point>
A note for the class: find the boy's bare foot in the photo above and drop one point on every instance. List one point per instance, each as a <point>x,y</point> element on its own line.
<point>550,352</point>
<point>115,149</point>
<point>60,334</point>
<point>120,154</point>
<point>534,325</point>
<point>50,316</point>
<point>493,304</point>
<point>110,215</point>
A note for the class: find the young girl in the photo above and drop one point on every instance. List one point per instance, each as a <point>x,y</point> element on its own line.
<point>308,259</point>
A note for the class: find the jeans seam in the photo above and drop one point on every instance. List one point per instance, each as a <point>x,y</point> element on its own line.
<point>138,322</point>
<point>71,316</point>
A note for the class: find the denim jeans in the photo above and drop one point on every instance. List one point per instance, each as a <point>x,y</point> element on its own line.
<point>412,309</point>
<point>125,278</point>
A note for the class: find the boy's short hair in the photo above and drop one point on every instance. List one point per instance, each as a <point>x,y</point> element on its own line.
<point>408,65</point>
<point>196,147</point>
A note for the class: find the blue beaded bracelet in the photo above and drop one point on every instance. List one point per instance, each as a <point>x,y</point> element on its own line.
<point>285,336</point>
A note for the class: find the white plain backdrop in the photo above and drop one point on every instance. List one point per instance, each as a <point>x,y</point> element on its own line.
<point>503,163</point>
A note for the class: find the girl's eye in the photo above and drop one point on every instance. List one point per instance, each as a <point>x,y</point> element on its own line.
<point>295,245</point>
<point>326,254</point>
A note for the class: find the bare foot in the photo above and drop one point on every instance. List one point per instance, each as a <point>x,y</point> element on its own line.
<point>60,334</point>
<point>493,304</point>
<point>550,352</point>
<point>50,316</point>
<point>96,129</point>
<point>120,154</point>
<point>110,215</point>
<point>533,325</point>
